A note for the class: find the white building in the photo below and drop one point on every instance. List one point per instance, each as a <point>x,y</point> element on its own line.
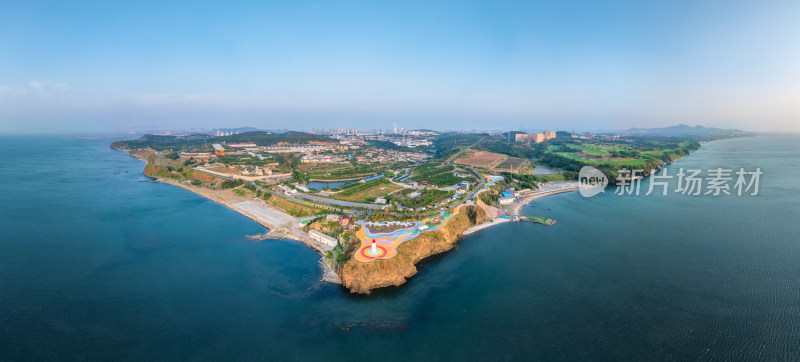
<point>301,187</point>
<point>505,200</point>
<point>322,238</point>
<point>242,145</point>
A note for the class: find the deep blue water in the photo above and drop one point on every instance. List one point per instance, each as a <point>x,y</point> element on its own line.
<point>320,185</point>
<point>98,263</point>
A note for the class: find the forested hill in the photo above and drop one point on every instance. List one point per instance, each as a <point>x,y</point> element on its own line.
<point>268,139</point>
<point>685,131</point>
<point>200,142</point>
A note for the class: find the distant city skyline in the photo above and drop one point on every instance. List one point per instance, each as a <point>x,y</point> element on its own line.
<point>96,66</point>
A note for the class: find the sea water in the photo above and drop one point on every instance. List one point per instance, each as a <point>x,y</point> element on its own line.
<point>97,262</point>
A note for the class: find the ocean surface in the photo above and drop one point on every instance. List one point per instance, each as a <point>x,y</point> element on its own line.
<point>97,263</point>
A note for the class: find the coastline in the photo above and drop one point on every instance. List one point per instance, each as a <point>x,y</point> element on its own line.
<point>270,217</point>
<point>514,209</point>
<point>275,231</point>
<point>280,224</point>
<point>485,224</point>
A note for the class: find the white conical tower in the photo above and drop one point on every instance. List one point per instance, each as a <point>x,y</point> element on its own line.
<point>374,249</point>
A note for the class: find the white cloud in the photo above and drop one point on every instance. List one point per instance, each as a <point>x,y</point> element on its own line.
<point>36,85</point>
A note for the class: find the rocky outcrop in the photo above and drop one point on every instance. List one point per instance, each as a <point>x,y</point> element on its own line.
<point>363,277</point>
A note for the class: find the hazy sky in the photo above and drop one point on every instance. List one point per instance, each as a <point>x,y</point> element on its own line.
<point>86,66</point>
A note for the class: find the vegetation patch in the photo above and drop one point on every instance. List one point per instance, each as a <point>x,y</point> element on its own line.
<point>421,197</point>
<point>367,192</point>
<point>437,174</point>
<point>295,209</point>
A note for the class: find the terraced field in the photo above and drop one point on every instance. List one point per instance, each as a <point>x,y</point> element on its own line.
<point>436,174</point>
<point>482,159</point>
<point>512,164</point>
<point>366,192</point>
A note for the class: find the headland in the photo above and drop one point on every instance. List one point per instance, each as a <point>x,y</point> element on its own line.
<point>400,207</point>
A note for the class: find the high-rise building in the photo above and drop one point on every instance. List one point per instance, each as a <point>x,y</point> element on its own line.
<point>549,134</point>
<point>523,137</point>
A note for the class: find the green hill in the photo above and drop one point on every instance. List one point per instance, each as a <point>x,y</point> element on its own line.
<point>201,142</point>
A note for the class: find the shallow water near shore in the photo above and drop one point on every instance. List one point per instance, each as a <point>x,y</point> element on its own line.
<point>97,264</point>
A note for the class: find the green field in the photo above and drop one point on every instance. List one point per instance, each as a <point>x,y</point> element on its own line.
<point>366,192</point>
<point>343,172</point>
<point>551,148</point>
<point>602,162</point>
<point>589,150</point>
<point>436,174</point>
<point>427,197</point>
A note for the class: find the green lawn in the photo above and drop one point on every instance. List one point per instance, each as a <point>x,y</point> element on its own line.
<point>602,162</point>
<point>589,150</point>
<point>367,192</point>
<point>436,174</point>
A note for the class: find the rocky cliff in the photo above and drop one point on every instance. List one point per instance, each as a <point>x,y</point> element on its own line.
<point>363,277</point>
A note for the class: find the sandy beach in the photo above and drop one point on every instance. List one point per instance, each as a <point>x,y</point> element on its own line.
<point>513,210</point>
<point>280,224</point>
<point>486,224</point>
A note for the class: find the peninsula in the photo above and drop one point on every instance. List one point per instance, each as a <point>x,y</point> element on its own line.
<point>373,205</point>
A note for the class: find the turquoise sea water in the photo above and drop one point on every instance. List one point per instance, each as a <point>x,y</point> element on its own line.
<point>98,263</point>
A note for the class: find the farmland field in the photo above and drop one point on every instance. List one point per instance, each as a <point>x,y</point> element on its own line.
<point>367,192</point>
<point>321,171</point>
<point>482,159</point>
<point>512,164</point>
<point>438,175</point>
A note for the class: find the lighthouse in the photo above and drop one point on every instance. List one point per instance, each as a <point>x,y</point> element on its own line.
<point>374,249</point>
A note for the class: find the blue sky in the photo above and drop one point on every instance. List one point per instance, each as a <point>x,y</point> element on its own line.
<point>87,66</point>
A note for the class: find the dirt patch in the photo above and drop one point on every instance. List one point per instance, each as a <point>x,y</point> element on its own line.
<point>482,159</point>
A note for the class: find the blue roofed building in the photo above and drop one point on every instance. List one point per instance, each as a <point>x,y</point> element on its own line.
<point>373,178</point>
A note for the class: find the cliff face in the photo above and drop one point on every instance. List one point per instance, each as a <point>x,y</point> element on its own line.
<point>363,277</point>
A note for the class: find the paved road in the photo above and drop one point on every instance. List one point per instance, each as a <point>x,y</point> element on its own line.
<point>344,206</point>
<point>453,157</point>
<point>325,200</point>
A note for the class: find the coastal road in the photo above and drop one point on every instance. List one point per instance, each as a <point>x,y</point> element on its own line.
<point>546,190</point>
<point>346,206</point>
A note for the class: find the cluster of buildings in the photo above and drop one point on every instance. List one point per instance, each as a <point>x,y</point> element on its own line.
<point>220,133</point>
<point>535,137</point>
<point>510,195</point>
<point>297,148</point>
<point>257,171</point>
<point>418,138</point>
<point>335,131</point>
<point>320,237</point>
<point>345,220</point>
<point>317,158</point>
<point>410,142</point>
<point>381,155</point>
